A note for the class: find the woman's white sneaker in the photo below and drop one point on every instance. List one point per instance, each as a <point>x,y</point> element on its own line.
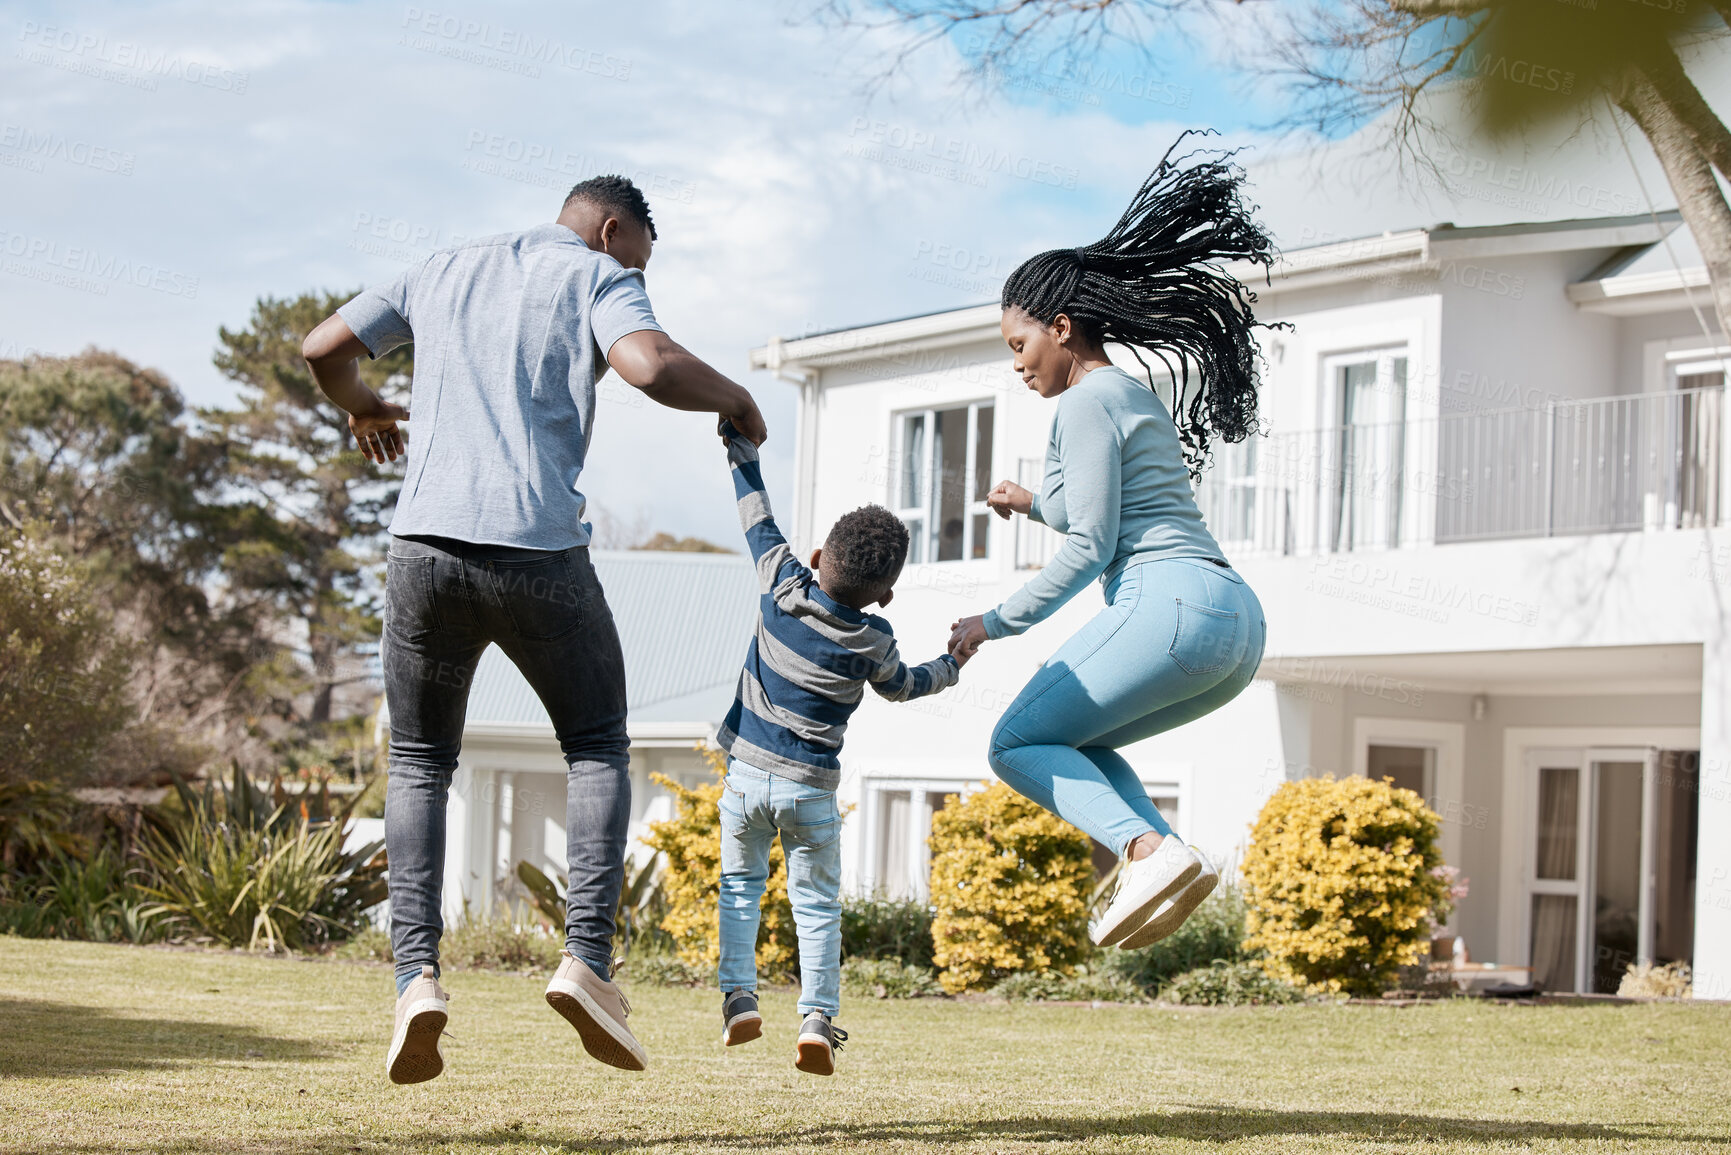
<point>1170,915</point>
<point>1144,885</point>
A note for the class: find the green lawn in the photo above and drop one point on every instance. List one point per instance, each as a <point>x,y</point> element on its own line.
<point>125,1049</point>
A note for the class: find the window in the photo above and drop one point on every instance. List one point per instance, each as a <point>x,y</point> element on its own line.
<point>944,470</point>
<point>1369,402</point>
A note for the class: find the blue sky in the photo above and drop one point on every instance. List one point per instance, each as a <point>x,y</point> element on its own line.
<point>162,165</point>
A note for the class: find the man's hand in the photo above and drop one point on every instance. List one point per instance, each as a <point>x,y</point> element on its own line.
<point>376,431</point>
<point>749,424</point>
<point>967,636</point>
<point>1007,497</point>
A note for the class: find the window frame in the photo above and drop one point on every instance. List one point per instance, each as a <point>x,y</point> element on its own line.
<point>923,546</point>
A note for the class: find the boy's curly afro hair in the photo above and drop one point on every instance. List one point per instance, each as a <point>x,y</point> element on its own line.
<point>864,554</point>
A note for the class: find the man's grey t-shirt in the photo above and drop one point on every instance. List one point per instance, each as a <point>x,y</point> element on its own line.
<point>510,333</point>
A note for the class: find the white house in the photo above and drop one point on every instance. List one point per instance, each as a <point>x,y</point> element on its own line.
<point>1487,524</point>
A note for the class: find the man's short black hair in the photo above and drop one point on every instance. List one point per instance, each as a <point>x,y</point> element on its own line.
<point>863,555</point>
<point>617,195</point>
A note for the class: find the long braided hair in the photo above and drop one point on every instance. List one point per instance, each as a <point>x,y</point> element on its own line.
<point>1156,283</point>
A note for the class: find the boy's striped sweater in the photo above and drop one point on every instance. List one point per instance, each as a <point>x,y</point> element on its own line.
<point>811,657</point>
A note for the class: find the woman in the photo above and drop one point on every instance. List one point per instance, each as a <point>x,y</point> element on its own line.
<point>1181,633</point>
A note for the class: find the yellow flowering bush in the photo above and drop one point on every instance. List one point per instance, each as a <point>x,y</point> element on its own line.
<point>691,842</point>
<point>1010,886</point>
<point>1344,882</point>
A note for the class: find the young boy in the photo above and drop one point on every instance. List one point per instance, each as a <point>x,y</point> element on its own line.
<point>814,652</point>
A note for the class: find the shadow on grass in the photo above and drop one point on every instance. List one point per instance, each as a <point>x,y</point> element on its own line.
<point>1207,1122</point>
<point>41,1039</point>
<point>1213,1122</point>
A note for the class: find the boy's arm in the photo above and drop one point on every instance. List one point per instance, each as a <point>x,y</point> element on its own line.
<point>900,682</point>
<point>769,549</point>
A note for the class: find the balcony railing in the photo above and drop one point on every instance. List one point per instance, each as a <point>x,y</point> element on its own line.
<point>1641,462</point>
<point>1646,461</point>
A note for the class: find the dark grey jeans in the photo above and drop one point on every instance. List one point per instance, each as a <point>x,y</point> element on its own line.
<point>445,601</point>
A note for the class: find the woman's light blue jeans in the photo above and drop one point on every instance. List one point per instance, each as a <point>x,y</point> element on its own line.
<point>1179,637</point>
<point>755,804</point>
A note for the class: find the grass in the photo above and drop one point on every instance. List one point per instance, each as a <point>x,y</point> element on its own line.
<point>141,1049</point>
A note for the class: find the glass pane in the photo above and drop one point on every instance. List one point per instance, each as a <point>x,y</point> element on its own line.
<point>911,493</point>
<point>1676,835</point>
<point>1616,874</point>
<point>1358,394</point>
<point>1554,941</point>
<point>1408,766</point>
<point>916,539</point>
<point>982,459</point>
<point>1167,805</point>
<point>952,457</point>
<point>895,812</point>
<point>1559,818</point>
<point>982,533</point>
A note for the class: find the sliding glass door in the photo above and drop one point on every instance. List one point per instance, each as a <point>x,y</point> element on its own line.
<point>1610,872</point>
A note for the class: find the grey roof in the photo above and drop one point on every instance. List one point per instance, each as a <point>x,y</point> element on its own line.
<point>685,620</point>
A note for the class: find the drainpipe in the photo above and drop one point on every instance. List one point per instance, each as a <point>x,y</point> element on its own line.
<point>805,436</point>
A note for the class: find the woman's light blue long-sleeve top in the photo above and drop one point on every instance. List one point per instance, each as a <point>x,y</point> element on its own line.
<point>1116,487</point>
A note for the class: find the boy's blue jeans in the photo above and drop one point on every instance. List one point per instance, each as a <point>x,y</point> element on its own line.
<point>1179,638</point>
<point>755,804</point>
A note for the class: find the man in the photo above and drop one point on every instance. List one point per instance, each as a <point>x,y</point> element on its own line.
<point>488,545</point>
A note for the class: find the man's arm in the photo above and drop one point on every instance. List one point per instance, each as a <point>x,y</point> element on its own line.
<point>333,352</point>
<point>670,375</point>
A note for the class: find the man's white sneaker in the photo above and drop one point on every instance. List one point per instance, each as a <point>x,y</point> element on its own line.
<point>1171,914</point>
<point>1144,884</point>
<point>421,1012</point>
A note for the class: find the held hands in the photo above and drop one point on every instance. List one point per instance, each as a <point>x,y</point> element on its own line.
<point>376,431</point>
<point>748,424</point>
<point>1007,497</point>
<point>967,636</point>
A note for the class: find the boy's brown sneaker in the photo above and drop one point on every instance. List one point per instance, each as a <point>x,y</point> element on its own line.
<point>741,1021</point>
<point>597,1009</point>
<point>819,1040</point>
<point>421,1013</point>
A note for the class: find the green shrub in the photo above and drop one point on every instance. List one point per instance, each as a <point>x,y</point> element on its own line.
<point>1085,986</point>
<point>1344,882</point>
<point>1230,984</point>
<point>231,866</point>
<point>63,669</point>
<point>96,899</point>
<point>664,970</point>
<point>498,944</point>
<point>1010,890</point>
<point>1214,932</point>
<point>886,978</point>
<point>369,944</point>
<point>887,928</point>
<point>493,944</point>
